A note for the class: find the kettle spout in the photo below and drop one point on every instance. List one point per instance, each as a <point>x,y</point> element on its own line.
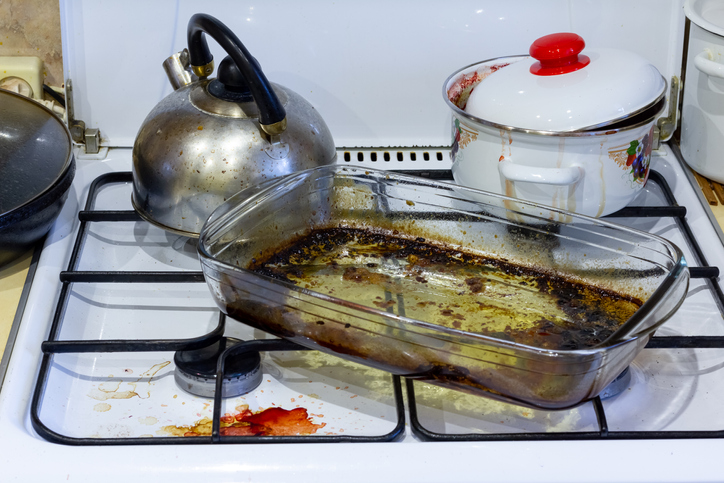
<point>178,70</point>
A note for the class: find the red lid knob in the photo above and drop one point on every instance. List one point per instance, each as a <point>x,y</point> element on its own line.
<point>558,54</point>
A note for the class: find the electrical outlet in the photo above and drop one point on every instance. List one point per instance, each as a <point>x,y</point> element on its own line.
<point>30,69</point>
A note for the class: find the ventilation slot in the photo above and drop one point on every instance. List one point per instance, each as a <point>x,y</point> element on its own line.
<point>397,159</point>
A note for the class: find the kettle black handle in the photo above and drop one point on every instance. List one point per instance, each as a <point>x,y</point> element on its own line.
<point>272,116</point>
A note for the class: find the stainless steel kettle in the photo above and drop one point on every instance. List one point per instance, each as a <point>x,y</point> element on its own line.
<point>211,138</point>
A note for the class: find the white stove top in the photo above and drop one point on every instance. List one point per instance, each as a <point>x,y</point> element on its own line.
<point>133,395</point>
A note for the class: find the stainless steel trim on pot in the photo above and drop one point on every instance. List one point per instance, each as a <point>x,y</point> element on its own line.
<point>593,172</point>
<point>632,120</point>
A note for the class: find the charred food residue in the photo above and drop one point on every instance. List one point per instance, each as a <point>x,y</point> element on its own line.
<point>450,288</point>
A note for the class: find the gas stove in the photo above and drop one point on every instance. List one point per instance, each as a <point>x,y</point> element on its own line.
<point>120,297</point>
<point>93,389</point>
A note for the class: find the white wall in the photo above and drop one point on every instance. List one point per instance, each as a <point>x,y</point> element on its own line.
<point>373,68</point>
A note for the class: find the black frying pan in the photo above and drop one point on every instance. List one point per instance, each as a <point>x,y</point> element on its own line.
<point>36,170</point>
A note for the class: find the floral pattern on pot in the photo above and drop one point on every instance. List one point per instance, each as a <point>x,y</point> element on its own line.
<point>635,158</point>
<point>461,137</point>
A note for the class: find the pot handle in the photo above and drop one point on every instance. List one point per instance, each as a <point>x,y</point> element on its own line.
<point>272,116</point>
<point>704,63</point>
<point>527,174</point>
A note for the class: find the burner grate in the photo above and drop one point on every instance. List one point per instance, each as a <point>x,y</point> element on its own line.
<point>705,272</point>
<point>420,428</point>
<point>55,346</point>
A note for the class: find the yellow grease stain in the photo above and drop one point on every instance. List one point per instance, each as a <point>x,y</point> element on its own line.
<point>102,407</point>
<point>111,389</point>
<point>149,421</point>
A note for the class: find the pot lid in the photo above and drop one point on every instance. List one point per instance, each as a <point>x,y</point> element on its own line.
<point>707,14</point>
<point>35,150</point>
<point>557,88</point>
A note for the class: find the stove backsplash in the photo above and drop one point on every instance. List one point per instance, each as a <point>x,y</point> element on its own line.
<point>373,68</point>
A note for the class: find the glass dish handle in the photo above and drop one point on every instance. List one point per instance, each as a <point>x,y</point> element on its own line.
<point>629,329</point>
<point>243,196</point>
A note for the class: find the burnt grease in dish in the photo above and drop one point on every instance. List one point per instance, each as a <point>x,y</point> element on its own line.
<point>450,288</point>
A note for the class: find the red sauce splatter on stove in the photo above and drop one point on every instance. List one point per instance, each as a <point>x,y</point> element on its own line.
<point>268,422</point>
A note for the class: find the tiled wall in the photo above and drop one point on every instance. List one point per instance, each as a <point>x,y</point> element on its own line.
<point>32,27</point>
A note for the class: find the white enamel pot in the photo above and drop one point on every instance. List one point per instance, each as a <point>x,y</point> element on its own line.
<point>702,113</point>
<point>594,168</point>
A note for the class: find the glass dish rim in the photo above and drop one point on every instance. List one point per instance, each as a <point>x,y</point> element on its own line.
<point>239,202</point>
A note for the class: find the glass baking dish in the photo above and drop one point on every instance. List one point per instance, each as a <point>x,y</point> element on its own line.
<point>385,332</point>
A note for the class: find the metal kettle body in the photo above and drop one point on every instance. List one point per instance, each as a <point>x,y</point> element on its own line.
<point>211,138</point>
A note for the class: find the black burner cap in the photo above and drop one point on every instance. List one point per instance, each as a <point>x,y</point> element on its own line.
<point>196,370</point>
<point>618,385</point>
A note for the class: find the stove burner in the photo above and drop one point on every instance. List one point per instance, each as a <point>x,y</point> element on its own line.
<point>196,370</point>
<point>617,385</point>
